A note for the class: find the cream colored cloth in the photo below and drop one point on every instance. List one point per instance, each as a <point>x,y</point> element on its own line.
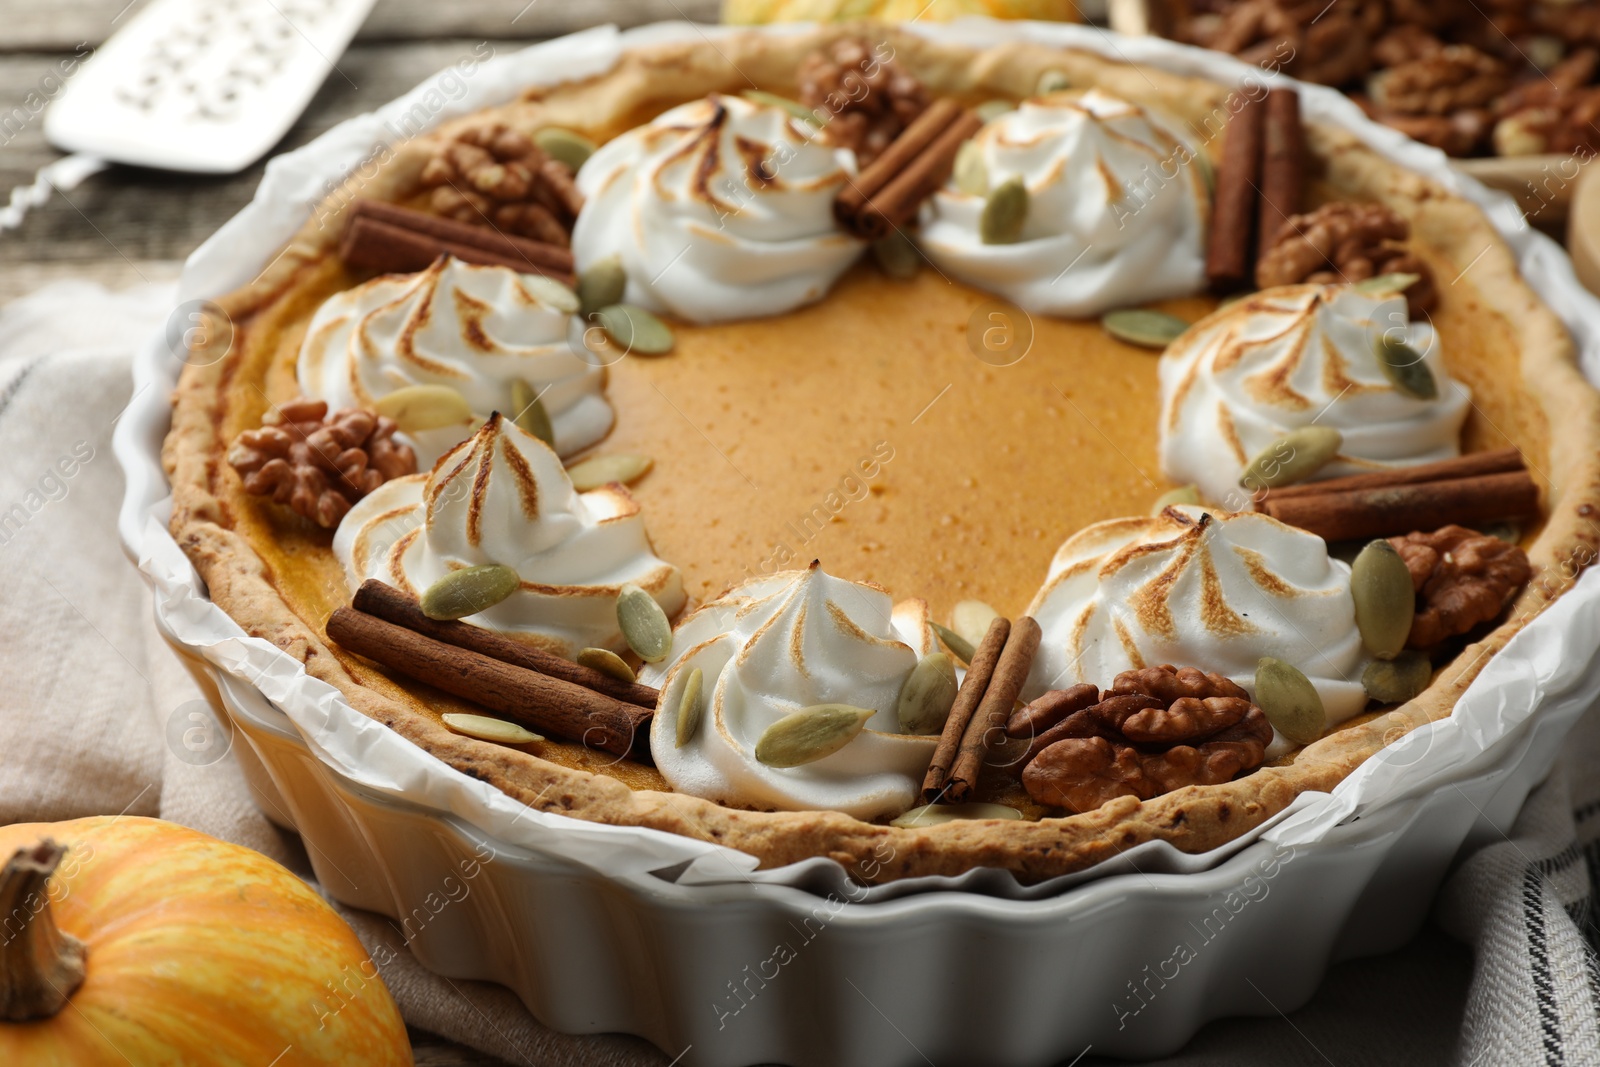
<point>93,704</point>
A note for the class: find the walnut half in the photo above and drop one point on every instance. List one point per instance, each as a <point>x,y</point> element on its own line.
<point>496,176</point>
<point>1157,729</point>
<point>867,98</point>
<point>1462,578</point>
<point>1345,242</point>
<point>319,464</point>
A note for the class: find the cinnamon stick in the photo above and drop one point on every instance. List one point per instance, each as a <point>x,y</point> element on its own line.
<point>1229,253</point>
<point>393,249</point>
<point>392,238</point>
<point>1499,461</point>
<point>1282,166</point>
<point>1035,718</point>
<point>542,253</point>
<point>988,723</point>
<point>984,660</point>
<point>391,605</point>
<point>1389,510</point>
<point>547,704</point>
<point>888,192</point>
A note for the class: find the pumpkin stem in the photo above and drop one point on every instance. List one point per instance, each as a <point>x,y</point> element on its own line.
<point>41,965</point>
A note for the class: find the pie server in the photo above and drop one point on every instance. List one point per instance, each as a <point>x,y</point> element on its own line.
<point>203,86</point>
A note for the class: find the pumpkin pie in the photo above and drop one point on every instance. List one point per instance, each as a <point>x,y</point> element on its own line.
<point>839,452</point>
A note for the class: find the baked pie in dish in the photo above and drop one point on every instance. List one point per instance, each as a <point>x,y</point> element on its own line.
<point>690,448</point>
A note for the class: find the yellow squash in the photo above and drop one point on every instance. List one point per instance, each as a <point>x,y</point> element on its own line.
<point>130,940</point>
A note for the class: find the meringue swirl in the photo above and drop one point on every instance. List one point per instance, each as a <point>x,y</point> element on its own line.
<point>1283,358</point>
<point>771,647</point>
<point>720,209</point>
<point>473,328</point>
<point>1195,588</point>
<point>1117,215</point>
<point>502,496</point>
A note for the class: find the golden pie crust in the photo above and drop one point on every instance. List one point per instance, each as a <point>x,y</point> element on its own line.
<point>990,468</point>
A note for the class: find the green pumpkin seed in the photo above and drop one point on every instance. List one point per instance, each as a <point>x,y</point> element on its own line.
<point>990,110</point>
<point>959,646</point>
<point>601,285</point>
<point>424,407</point>
<point>571,148</point>
<point>1509,532</point>
<point>531,416</point>
<point>1395,681</point>
<point>1386,603</point>
<point>485,728</point>
<point>1387,284</point>
<point>935,814</point>
<point>1406,369</point>
<point>927,695</point>
<point>1208,175</point>
<point>1051,81</point>
<point>971,172</point>
<point>971,619</point>
<point>1294,457</point>
<point>1184,494</point>
<point>596,471</point>
<point>552,292</point>
<point>469,591</point>
<point>1005,211</point>
<point>689,708</point>
<point>809,734</point>
<point>643,624</point>
<point>635,329</point>
<point>606,662</point>
<point>1142,327</point>
<point>794,107</point>
<point>897,256</point>
<point>1289,700</point>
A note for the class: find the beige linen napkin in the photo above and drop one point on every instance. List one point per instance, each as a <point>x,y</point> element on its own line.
<point>94,705</point>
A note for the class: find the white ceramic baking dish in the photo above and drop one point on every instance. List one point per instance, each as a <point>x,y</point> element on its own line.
<point>617,929</point>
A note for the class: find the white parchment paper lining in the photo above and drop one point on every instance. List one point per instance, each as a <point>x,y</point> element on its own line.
<point>1547,658</point>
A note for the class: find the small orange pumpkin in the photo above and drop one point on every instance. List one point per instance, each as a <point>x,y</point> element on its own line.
<point>129,940</point>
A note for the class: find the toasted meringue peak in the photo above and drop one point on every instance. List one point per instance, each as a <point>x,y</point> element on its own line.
<point>1117,209</point>
<point>475,329</point>
<point>779,644</point>
<point>502,496</point>
<point>720,209</point>
<point>1288,357</point>
<point>1203,589</point>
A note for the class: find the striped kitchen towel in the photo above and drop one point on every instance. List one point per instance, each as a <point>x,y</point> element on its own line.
<point>1527,905</point>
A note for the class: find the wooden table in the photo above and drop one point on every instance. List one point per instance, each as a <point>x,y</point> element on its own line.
<point>129,224</point>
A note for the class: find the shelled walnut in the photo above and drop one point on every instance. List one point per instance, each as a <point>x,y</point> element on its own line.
<point>1569,123</point>
<point>495,175</point>
<point>1329,44</point>
<point>1405,43</point>
<point>1575,23</point>
<point>317,463</point>
<point>1155,730</point>
<point>866,97</point>
<point>1466,76</point>
<point>1461,577</point>
<point>1559,112</point>
<point>1345,242</point>
<point>1440,82</point>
